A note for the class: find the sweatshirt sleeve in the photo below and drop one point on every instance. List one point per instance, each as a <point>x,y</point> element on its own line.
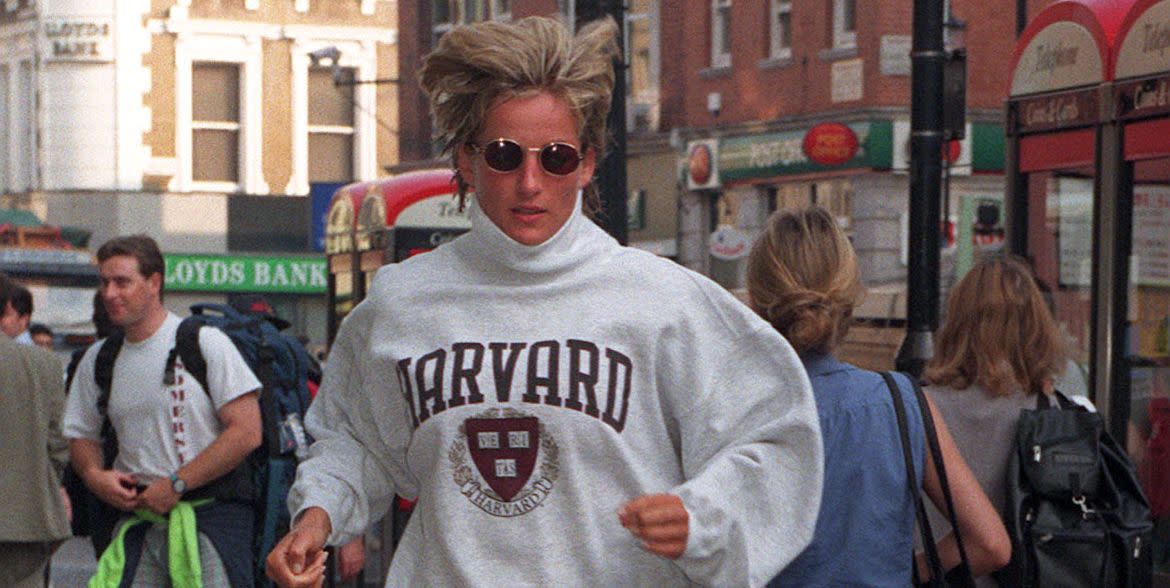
<point>752,457</point>
<point>361,426</point>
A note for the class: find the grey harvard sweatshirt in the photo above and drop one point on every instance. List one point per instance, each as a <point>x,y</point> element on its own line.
<point>523,394</point>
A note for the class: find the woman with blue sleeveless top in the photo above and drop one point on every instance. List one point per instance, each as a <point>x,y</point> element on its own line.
<point>802,277</point>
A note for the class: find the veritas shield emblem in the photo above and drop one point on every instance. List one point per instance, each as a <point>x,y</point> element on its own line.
<point>504,451</point>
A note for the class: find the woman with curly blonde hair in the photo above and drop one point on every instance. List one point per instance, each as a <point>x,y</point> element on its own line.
<point>999,347</point>
<point>802,277</point>
<point>567,411</point>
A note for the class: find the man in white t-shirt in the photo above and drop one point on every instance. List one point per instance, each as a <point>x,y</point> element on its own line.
<point>178,444</point>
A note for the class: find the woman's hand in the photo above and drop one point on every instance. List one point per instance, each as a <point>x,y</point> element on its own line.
<point>660,521</point>
<point>298,560</point>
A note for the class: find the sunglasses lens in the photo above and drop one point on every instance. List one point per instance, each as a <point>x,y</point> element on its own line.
<point>503,155</point>
<point>559,159</point>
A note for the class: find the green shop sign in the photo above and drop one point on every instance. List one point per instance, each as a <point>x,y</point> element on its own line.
<point>753,157</point>
<point>246,273</point>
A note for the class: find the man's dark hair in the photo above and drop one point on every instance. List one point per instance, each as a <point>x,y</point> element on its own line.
<point>142,248</point>
<point>40,329</point>
<point>21,299</point>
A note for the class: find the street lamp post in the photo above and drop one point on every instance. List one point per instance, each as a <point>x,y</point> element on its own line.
<point>928,57</point>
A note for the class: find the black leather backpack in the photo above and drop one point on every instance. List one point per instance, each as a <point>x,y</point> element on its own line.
<point>1075,510</point>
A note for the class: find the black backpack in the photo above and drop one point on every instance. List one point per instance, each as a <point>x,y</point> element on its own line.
<point>1075,509</point>
<point>284,368</point>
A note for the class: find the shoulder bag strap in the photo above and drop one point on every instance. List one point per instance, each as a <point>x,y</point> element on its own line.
<point>941,468</point>
<point>928,546</point>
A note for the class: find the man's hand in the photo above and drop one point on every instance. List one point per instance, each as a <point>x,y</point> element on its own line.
<point>298,561</point>
<point>159,497</point>
<point>351,558</point>
<point>660,521</point>
<point>115,488</point>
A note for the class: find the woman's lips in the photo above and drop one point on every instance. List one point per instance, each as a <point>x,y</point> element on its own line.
<point>527,214</point>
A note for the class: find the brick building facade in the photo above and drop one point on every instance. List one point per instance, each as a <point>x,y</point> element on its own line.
<point>204,123</point>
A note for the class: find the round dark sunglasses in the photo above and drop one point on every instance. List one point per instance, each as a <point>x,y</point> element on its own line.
<point>506,155</point>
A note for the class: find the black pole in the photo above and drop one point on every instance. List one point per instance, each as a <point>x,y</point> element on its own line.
<point>611,172</point>
<point>1021,16</point>
<point>926,140</point>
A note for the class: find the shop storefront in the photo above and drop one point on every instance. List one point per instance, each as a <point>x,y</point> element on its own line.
<point>295,285</point>
<point>858,170</point>
<point>1089,172</point>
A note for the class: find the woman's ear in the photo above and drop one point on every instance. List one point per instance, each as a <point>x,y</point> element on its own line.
<point>463,157</point>
<point>588,166</point>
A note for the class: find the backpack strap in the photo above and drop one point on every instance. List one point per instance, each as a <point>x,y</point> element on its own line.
<point>103,376</point>
<point>187,349</point>
<point>928,545</point>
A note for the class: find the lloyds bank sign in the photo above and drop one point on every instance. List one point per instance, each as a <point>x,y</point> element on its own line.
<point>246,273</point>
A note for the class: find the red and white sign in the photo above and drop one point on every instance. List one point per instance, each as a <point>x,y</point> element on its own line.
<point>830,144</point>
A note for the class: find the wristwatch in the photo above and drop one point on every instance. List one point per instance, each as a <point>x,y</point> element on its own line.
<point>177,484</point>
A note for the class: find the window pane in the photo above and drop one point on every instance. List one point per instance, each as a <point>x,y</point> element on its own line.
<point>848,21</point>
<point>330,157</point>
<point>639,49</point>
<point>330,104</point>
<point>472,11</point>
<point>724,25</point>
<point>784,28</point>
<point>215,92</point>
<point>215,155</point>
<point>1148,345</point>
<point>442,11</point>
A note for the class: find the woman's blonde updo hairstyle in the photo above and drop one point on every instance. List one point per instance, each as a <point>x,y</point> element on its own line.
<point>802,278</point>
<point>477,65</point>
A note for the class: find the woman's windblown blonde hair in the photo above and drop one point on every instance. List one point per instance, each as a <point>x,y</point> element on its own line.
<point>802,277</point>
<point>999,333</point>
<point>474,66</point>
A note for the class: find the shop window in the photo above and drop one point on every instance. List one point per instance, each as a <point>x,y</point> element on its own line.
<point>331,126</point>
<point>1060,240</point>
<point>643,51</point>
<point>1148,341</point>
<point>720,33</point>
<point>836,196</point>
<point>844,24</point>
<point>780,29</point>
<point>793,196</point>
<point>215,122</point>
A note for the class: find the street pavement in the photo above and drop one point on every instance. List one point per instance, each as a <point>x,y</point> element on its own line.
<point>73,564</point>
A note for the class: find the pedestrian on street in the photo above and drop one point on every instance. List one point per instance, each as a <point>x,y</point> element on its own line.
<point>567,411</point>
<point>178,445</point>
<point>34,453</point>
<point>803,277</point>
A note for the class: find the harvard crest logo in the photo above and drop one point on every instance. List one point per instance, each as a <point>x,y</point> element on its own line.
<point>504,445</point>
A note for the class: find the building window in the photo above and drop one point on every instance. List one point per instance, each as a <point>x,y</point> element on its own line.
<point>780,29</point>
<point>219,141</point>
<point>215,122</point>
<point>642,83</point>
<point>567,10</point>
<point>446,14</point>
<point>720,33</point>
<point>501,10</point>
<point>844,24</point>
<point>331,126</point>
<point>18,150</point>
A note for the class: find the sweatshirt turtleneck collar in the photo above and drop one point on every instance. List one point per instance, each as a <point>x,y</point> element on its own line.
<point>490,249</point>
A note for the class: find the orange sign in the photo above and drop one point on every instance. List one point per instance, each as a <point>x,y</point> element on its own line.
<point>700,164</point>
<point>830,144</point>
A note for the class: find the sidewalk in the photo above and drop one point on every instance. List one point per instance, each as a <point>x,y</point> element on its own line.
<point>73,564</point>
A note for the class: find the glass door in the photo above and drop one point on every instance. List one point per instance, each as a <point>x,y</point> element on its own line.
<point>1147,352</point>
<point>1060,248</point>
